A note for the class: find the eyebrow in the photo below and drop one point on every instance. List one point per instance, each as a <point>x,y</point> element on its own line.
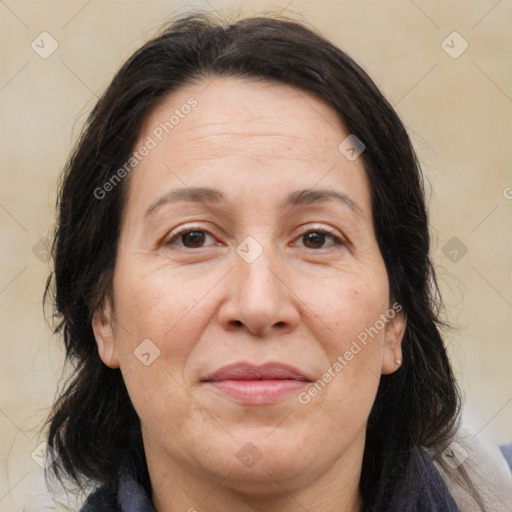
<point>215,196</point>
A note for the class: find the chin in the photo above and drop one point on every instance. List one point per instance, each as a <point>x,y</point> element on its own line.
<point>261,465</point>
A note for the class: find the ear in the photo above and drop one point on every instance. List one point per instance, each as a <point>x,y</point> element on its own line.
<point>103,328</point>
<point>393,335</point>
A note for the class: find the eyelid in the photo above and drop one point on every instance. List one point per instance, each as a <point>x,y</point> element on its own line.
<point>319,227</point>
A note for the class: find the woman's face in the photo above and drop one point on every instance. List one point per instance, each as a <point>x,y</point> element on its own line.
<point>247,240</point>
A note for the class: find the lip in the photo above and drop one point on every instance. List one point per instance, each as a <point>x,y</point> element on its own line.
<point>248,371</point>
<point>257,384</point>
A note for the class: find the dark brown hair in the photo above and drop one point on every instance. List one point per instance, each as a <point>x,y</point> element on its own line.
<point>93,422</point>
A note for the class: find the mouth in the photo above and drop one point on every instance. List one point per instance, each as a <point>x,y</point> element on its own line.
<point>251,384</point>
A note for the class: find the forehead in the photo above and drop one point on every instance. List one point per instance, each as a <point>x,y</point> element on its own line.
<point>244,133</point>
<point>242,106</point>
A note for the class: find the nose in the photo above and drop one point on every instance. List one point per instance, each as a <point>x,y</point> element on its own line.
<point>260,298</point>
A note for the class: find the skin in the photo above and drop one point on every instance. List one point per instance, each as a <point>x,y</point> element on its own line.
<point>204,306</point>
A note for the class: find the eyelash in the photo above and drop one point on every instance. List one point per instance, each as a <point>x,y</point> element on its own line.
<point>169,241</point>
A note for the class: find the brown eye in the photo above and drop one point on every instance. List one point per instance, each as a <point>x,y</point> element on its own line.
<point>190,239</point>
<point>316,239</point>
<point>193,238</point>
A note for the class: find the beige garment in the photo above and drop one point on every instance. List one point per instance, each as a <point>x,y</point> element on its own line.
<point>487,470</point>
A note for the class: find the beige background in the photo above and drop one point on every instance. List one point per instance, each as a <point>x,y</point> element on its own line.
<point>457,110</point>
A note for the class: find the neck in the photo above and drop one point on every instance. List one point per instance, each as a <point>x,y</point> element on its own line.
<point>178,486</point>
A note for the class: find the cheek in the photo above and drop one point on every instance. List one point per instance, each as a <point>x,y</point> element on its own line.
<point>354,344</point>
<point>352,307</point>
<point>161,401</point>
<point>171,310</point>
<point>156,305</point>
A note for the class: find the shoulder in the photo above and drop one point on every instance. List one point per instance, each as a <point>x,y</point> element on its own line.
<point>486,469</point>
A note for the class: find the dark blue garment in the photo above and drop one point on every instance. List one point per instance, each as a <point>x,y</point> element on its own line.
<point>129,494</point>
<point>426,493</point>
<point>506,450</point>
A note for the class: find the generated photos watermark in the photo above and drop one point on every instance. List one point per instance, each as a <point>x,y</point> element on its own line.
<point>151,142</point>
<point>343,360</point>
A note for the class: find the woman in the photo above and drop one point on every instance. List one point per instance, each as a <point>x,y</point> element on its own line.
<point>225,358</point>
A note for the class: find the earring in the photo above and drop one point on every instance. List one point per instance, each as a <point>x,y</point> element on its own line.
<point>398,362</point>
